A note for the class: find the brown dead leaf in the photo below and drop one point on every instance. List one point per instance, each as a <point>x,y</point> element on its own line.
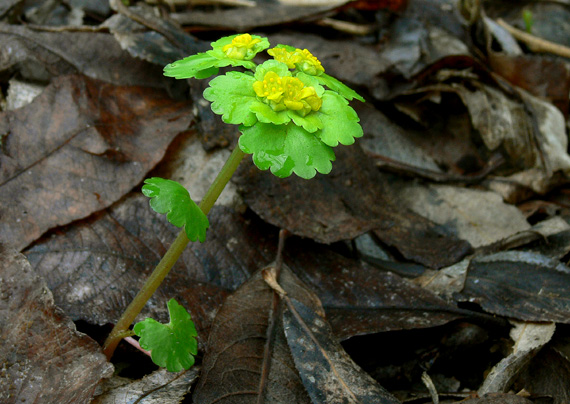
<point>547,375</point>
<point>78,147</point>
<point>44,359</point>
<point>38,55</point>
<point>263,14</point>
<point>255,350</point>
<point>350,201</point>
<point>520,285</point>
<point>497,398</point>
<point>159,387</point>
<point>95,268</point>
<point>328,373</point>
<point>359,299</point>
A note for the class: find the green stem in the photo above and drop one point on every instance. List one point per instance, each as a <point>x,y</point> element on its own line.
<point>171,256</point>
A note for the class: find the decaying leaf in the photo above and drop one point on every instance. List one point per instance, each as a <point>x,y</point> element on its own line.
<point>352,200</point>
<point>77,148</point>
<point>520,285</point>
<point>328,373</point>
<point>480,217</point>
<point>528,339</point>
<point>42,55</point>
<point>360,299</point>
<point>257,347</point>
<point>96,267</point>
<point>160,387</point>
<point>44,358</point>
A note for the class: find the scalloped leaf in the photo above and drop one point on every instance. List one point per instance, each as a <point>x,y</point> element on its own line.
<point>338,87</point>
<point>172,345</point>
<point>200,65</point>
<point>340,121</point>
<point>286,149</point>
<point>232,96</point>
<point>170,198</point>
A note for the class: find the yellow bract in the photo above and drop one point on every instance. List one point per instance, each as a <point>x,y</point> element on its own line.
<point>282,93</point>
<point>241,47</point>
<point>302,59</point>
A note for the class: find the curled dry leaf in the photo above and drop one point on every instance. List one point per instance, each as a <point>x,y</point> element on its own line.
<point>528,338</point>
<point>44,359</point>
<point>77,148</point>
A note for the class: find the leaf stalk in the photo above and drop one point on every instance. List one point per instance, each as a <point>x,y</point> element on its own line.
<point>170,257</point>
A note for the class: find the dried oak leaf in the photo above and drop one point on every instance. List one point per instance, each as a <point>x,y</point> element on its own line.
<point>353,199</point>
<point>44,358</point>
<point>77,148</point>
<point>258,345</point>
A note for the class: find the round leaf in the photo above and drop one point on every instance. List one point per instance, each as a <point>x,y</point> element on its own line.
<point>286,149</point>
<point>232,96</point>
<point>170,197</point>
<point>340,121</point>
<point>172,345</point>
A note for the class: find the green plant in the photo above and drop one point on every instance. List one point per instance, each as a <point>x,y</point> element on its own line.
<point>528,20</point>
<point>290,114</point>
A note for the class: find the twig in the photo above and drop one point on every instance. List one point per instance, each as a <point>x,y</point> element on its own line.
<point>534,43</point>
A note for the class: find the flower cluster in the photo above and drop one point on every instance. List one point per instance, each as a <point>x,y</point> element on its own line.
<point>289,111</point>
<point>242,47</point>
<point>302,60</point>
<point>282,93</point>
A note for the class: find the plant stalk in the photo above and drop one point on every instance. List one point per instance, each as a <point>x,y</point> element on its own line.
<point>170,257</point>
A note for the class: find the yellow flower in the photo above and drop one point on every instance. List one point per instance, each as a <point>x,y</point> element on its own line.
<point>303,60</point>
<point>284,56</point>
<point>282,93</point>
<point>308,63</point>
<point>241,47</point>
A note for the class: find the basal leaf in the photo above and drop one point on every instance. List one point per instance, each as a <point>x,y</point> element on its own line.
<point>340,121</point>
<point>170,197</point>
<point>338,87</point>
<point>172,345</point>
<point>286,149</point>
<point>232,95</point>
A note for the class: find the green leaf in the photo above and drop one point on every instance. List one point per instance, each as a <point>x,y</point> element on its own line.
<point>170,197</point>
<point>340,122</point>
<point>193,66</point>
<point>271,66</point>
<point>172,345</point>
<point>232,95</point>
<point>338,87</point>
<point>286,149</point>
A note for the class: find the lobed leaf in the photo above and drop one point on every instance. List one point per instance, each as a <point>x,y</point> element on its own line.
<point>338,87</point>
<point>170,198</point>
<point>340,121</point>
<point>232,96</point>
<point>171,345</point>
<point>286,149</point>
